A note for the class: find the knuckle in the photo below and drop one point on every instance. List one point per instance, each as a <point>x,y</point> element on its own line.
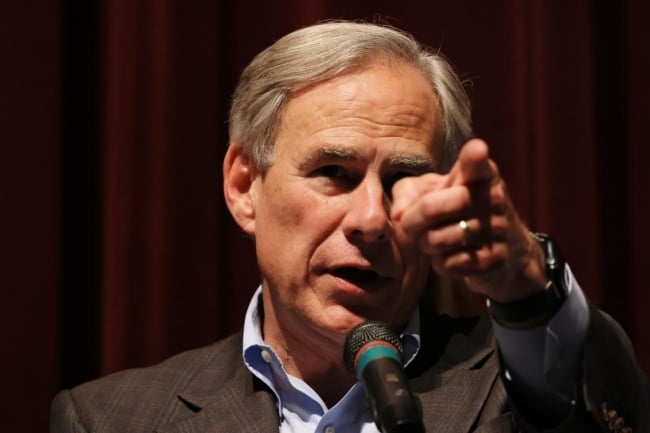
<point>428,205</point>
<point>498,195</point>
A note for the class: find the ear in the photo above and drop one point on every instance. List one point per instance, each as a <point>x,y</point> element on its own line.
<point>239,180</point>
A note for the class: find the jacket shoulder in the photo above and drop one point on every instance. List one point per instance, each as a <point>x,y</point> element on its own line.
<point>147,396</point>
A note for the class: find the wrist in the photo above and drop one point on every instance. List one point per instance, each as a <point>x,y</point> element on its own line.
<point>539,307</point>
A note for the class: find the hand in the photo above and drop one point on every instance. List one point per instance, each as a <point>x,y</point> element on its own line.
<point>466,223</point>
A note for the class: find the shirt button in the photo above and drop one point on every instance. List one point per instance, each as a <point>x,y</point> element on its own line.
<point>330,429</point>
<point>266,356</point>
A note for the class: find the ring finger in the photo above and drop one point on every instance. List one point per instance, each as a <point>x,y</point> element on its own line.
<point>464,234</point>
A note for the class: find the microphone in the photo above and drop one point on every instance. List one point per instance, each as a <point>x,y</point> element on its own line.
<point>373,353</point>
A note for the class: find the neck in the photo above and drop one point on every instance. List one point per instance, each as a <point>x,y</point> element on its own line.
<point>315,359</point>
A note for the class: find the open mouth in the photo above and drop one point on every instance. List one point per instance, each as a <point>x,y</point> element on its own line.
<point>355,275</point>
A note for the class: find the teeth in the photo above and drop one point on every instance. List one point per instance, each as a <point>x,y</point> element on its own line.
<point>356,275</point>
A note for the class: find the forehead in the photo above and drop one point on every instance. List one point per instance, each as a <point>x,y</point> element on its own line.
<point>381,104</point>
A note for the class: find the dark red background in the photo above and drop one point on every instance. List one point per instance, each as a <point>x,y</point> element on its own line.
<point>116,249</point>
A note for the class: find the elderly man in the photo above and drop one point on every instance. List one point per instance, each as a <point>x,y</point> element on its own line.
<point>351,168</point>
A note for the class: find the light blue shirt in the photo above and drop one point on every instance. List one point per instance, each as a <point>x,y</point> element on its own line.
<point>300,408</point>
<point>540,357</point>
<point>547,357</point>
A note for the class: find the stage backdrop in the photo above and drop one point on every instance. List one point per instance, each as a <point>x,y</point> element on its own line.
<point>116,247</point>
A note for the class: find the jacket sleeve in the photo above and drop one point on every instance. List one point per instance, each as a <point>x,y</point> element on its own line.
<point>615,390</point>
<point>613,393</point>
<point>64,417</point>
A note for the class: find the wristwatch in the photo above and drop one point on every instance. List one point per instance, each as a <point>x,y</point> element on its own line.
<point>547,301</point>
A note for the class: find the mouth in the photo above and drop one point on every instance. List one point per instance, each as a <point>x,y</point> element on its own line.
<point>355,275</point>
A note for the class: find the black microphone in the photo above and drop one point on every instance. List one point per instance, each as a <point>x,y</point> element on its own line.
<point>373,353</point>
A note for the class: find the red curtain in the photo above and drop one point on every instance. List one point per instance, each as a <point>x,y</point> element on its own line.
<point>30,47</point>
<point>636,175</point>
<point>116,247</point>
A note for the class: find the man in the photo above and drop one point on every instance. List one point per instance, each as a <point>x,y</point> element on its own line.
<point>350,167</point>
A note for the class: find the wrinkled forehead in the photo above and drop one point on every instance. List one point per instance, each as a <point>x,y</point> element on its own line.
<point>381,97</point>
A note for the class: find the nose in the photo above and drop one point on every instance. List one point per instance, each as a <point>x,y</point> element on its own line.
<point>368,218</point>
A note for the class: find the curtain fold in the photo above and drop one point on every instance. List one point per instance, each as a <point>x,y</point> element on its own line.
<point>162,212</point>
<point>638,108</point>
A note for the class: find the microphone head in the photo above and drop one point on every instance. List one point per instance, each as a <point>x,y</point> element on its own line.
<point>365,333</point>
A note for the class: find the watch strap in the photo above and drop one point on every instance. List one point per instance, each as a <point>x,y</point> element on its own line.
<point>547,301</point>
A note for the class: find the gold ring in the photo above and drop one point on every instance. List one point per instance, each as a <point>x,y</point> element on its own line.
<point>467,232</point>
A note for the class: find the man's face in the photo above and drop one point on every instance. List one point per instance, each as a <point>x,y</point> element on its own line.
<point>329,254</point>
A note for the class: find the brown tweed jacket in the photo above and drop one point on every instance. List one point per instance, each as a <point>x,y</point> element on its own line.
<point>456,377</point>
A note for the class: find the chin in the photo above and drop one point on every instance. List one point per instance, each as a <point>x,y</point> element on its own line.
<point>342,320</point>
<point>353,317</point>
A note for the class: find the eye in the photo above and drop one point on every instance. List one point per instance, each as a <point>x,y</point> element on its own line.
<point>331,171</point>
<point>335,178</point>
<point>391,180</point>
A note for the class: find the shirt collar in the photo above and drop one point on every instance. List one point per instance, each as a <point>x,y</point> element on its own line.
<point>263,362</point>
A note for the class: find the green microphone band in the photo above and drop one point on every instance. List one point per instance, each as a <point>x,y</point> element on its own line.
<point>374,352</point>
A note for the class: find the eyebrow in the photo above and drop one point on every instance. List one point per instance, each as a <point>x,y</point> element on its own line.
<point>406,161</point>
<point>413,162</point>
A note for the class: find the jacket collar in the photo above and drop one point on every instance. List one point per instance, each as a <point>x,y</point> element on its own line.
<point>224,397</point>
<point>231,412</point>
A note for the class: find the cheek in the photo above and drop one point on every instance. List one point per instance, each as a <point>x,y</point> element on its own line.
<point>294,213</point>
<point>417,265</point>
<point>409,247</point>
<point>418,273</point>
<point>283,209</point>
<point>292,221</point>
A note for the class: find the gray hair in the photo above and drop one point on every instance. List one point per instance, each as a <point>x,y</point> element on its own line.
<point>323,51</point>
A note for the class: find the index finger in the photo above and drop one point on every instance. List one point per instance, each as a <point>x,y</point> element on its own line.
<point>473,164</point>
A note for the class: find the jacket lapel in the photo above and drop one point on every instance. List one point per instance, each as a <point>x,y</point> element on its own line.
<point>252,413</point>
<point>225,398</point>
<point>455,405</point>
<point>455,391</point>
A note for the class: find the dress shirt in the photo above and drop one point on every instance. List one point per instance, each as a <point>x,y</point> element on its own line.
<point>547,358</point>
<point>299,406</point>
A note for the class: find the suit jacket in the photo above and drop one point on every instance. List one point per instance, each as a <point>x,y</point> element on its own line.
<point>456,376</point>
